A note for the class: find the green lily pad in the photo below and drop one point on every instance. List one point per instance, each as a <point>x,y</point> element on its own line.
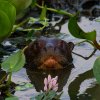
<point>5,25</point>
<point>7,19</point>
<point>21,4</point>
<point>14,63</point>
<point>9,9</point>
<point>23,87</point>
<point>12,98</point>
<point>96,69</point>
<point>77,32</point>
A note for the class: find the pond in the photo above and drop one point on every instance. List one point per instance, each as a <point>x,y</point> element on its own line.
<point>77,82</point>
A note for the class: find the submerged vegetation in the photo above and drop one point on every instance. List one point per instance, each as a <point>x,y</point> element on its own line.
<point>10,12</point>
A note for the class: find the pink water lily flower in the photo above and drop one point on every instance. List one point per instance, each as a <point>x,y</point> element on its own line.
<point>50,83</point>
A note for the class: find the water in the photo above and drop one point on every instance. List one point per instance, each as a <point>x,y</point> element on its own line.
<point>77,83</point>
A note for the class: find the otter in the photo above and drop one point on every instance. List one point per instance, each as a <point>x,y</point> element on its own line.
<point>49,53</point>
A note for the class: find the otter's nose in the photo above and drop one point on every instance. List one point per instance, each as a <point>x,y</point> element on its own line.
<point>50,63</point>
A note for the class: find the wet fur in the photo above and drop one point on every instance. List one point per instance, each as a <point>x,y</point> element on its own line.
<point>46,53</point>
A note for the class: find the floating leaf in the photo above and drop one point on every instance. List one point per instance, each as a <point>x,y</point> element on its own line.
<point>5,26</point>
<point>14,63</point>
<point>96,69</point>
<point>77,32</point>
<point>9,9</point>
<point>28,85</point>
<point>21,4</point>
<point>12,98</point>
<point>7,19</point>
<point>97,19</point>
<point>23,87</point>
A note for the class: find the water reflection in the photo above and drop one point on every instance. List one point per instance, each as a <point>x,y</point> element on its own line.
<point>37,77</point>
<point>91,92</point>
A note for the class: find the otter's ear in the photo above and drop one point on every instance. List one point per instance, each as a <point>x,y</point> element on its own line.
<point>71,46</point>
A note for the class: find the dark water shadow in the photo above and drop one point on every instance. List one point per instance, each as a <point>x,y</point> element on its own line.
<point>4,89</point>
<point>91,93</point>
<point>37,77</point>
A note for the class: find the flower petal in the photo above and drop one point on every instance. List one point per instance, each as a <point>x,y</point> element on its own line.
<point>54,82</point>
<point>45,81</point>
<point>50,85</point>
<point>45,88</point>
<point>49,78</point>
<point>56,78</point>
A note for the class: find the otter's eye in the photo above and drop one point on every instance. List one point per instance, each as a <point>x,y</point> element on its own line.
<point>42,44</point>
<point>39,45</point>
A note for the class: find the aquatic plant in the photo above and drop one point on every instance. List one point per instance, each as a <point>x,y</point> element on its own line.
<point>17,60</point>
<point>50,83</point>
<point>50,89</point>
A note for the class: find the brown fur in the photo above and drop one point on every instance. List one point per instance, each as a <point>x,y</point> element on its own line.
<point>49,53</point>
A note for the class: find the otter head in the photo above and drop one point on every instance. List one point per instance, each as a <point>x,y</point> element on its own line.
<point>49,53</point>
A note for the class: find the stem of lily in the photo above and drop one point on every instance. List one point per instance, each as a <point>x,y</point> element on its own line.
<point>9,79</point>
<point>20,24</point>
<point>8,94</point>
<point>56,11</point>
<point>96,44</point>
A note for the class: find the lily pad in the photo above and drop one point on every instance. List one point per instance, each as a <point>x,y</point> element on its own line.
<point>5,25</point>
<point>77,32</point>
<point>14,63</point>
<point>7,19</point>
<point>9,9</point>
<point>96,69</point>
<point>12,98</point>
